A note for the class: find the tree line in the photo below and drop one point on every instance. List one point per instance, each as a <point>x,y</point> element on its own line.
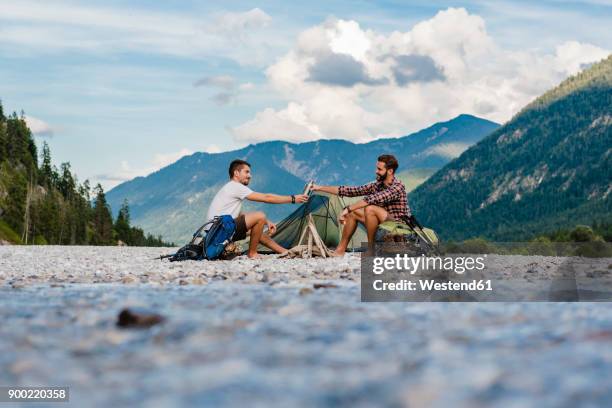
<point>43,204</point>
<point>582,240</point>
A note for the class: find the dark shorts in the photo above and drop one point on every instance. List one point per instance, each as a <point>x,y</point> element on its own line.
<point>241,228</point>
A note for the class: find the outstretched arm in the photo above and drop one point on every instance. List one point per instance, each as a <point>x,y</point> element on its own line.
<point>346,191</point>
<point>275,198</point>
<point>325,189</point>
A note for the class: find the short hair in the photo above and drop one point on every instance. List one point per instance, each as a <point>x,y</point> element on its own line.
<point>390,161</point>
<point>237,165</point>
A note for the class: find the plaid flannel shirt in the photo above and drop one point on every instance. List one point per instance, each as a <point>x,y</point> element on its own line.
<point>392,198</point>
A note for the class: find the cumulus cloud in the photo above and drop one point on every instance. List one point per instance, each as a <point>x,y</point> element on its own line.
<point>344,81</point>
<point>288,124</point>
<point>573,56</point>
<point>416,68</point>
<point>39,127</point>
<point>341,70</point>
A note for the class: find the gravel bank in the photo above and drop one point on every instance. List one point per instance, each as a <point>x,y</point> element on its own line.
<point>28,265</point>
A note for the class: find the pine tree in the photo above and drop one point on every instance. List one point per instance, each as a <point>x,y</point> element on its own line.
<point>83,213</point>
<point>21,148</point>
<point>102,221</point>
<point>122,224</point>
<point>3,138</point>
<point>66,184</point>
<point>46,170</point>
<point>47,216</point>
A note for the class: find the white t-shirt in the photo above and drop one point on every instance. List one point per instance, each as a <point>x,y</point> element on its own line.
<point>228,200</point>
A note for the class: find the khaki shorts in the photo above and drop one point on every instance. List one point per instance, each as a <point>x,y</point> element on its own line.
<point>241,228</point>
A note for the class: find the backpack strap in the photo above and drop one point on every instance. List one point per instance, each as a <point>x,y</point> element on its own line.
<point>199,230</point>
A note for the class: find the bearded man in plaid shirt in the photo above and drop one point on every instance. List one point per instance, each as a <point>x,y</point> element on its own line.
<point>384,200</point>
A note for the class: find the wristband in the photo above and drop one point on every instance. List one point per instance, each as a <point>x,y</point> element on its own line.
<point>292,199</point>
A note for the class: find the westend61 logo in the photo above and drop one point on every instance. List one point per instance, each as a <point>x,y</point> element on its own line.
<point>503,272</point>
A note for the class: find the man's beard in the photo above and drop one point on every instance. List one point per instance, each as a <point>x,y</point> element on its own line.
<point>381,178</point>
<point>246,182</point>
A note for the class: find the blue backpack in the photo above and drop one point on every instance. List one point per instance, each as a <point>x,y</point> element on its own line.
<point>218,236</point>
<point>207,245</point>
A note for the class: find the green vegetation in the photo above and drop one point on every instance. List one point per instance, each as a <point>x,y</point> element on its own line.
<point>46,205</point>
<point>548,169</point>
<point>582,240</point>
<point>7,234</point>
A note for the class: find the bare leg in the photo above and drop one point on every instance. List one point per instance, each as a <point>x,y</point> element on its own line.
<point>350,226</point>
<point>374,216</point>
<point>255,222</point>
<point>270,243</point>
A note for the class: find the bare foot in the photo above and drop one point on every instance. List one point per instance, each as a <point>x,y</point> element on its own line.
<point>254,256</point>
<point>337,254</point>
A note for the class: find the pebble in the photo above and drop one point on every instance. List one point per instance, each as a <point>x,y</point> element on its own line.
<point>305,291</point>
<point>138,318</point>
<point>324,285</point>
<point>128,279</point>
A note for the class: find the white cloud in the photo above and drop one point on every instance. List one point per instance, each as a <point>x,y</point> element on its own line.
<point>573,56</point>
<point>220,81</point>
<point>230,90</point>
<point>288,124</point>
<point>247,86</point>
<point>45,27</point>
<point>127,172</point>
<point>164,159</point>
<point>346,37</point>
<point>213,148</point>
<point>403,81</point>
<point>237,23</point>
<point>38,126</point>
<point>123,173</point>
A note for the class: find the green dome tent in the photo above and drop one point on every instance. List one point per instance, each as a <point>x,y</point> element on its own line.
<point>325,210</point>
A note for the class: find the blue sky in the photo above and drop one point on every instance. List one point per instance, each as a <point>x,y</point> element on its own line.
<point>122,88</point>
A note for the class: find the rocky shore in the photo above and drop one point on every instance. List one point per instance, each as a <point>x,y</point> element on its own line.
<point>29,265</point>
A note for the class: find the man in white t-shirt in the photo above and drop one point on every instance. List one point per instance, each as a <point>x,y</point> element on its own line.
<point>229,201</point>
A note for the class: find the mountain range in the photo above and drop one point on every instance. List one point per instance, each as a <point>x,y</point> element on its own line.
<point>549,167</point>
<point>173,201</point>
